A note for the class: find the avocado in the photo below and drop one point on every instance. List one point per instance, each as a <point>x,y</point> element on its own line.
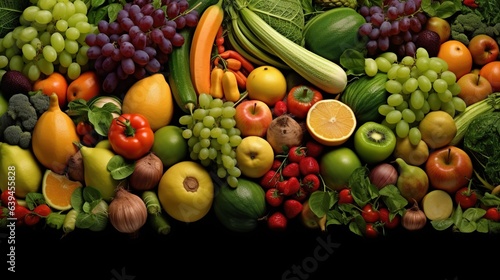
<point>14,82</point>
<point>428,40</point>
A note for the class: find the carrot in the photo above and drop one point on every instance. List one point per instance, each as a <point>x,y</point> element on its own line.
<point>201,46</point>
<point>233,64</point>
<point>230,86</point>
<point>244,62</point>
<point>216,83</point>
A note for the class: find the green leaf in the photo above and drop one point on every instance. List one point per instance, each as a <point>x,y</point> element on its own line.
<point>362,190</point>
<point>91,194</point>
<point>113,10</point>
<point>319,202</point>
<point>55,220</point>
<point>442,224</point>
<point>101,120</point>
<point>482,225</point>
<point>353,61</point>
<point>442,9</point>
<point>392,198</point>
<point>77,199</point>
<point>473,214</point>
<point>120,168</point>
<point>467,226</point>
<point>84,220</point>
<point>33,199</point>
<point>490,200</point>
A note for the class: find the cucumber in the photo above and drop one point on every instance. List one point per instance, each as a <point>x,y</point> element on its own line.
<point>179,76</point>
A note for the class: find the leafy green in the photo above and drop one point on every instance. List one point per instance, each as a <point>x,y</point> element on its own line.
<point>92,209</point>
<point>120,168</point>
<point>10,12</point>
<point>99,117</point>
<point>286,16</point>
<point>482,142</point>
<point>442,9</point>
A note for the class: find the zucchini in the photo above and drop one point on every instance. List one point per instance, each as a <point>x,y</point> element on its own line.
<point>179,76</point>
<point>462,120</point>
<point>319,71</point>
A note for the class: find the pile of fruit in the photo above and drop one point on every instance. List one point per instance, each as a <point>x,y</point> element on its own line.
<point>370,115</point>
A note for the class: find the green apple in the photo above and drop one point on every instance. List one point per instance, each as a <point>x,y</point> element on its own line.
<point>337,165</point>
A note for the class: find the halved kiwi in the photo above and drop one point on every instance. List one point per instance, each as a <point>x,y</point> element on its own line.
<point>374,142</point>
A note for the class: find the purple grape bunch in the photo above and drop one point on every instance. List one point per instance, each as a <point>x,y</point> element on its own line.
<point>392,26</point>
<point>139,41</point>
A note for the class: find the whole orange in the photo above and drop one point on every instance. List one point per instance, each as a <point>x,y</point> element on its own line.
<point>491,71</point>
<point>458,57</point>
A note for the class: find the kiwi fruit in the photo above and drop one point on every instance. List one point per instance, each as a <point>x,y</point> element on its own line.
<point>374,142</point>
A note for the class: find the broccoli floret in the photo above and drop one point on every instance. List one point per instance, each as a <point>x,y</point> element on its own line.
<point>470,22</point>
<point>12,134</point>
<point>457,27</point>
<point>5,121</point>
<point>25,140</point>
<point>40,102</point>
<point>460,37</point>
<point>21,110</point>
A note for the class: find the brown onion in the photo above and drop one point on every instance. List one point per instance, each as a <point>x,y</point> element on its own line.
<point>413,218</point>
<point>127,211</point>
<point>383,174</point>
<point>147,173</point>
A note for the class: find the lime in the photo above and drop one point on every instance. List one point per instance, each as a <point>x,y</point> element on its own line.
<point>169,145</point>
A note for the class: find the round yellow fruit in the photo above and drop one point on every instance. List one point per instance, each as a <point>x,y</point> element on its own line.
<point>267,84</point>
<point>186,191</point>
<point>151,97</point>
<point>255,156</point>
<point>438,128</point>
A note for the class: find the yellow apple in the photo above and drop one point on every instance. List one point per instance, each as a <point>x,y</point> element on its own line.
<point>255,156</point>
<point>440,26</point>
<point>473,88</point>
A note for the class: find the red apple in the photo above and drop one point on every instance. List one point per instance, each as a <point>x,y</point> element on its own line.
<point>473,88</point>
<point>253,117</point>
<point>483,49</point>
<point>440,26</point>
<point>449,169</point>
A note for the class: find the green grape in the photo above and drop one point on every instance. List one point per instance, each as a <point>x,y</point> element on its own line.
<point>197,129</point>
<point>62,25</point>
<point>212,153</point>
<point>227,123</point>
<point>225,148</point>
<point>216,103</point>
<point>27,34</point>
<point>421,53</point>
<point>445,96</point>
<point>74,71</point>
<point>402,129</point>
<point>8,41</point>
<point>449,77</point>
<point>46,4</point>
<point>395,99</point>
<point>33,72</point>
<point>30,12</point>
<point>215,132</point>
<point>65,58</point>
<point>191,141</point>
<point>424,84</point>
<point>71,46</point>
<point>440,85</point>
<point>444,64</point>
<point>419,115</point>
<point>422,64</point>
<point>16,63</point>
<point>221,172</point>
<point>383,64</point>
<point>393,86</point>
<point>29,52</point>
<point>234,140</point>
<point>187,133</point>
<point>58,11</point>
<point>196,147</point>
<point>407,61</point>
<point>215,144</point>
<point>49,53</point>
<point>392,57</point>
<point>232,181</point>
<point>436,65</point>
<point>234,171</point>
<point>392,126</point>
<point>417,99</point>
<point>193,155</point>
<point>84,27</point>
<point>205,162</point>
<point>448,107</point>
<point>43,16</point>
<point>75,18</point>
<point>410,85</point>
<point>199,113</point>
<point>391,74</point>
<point>209,121</point>
<point>403,73</point>
<point>215,112</point>
<point>4,61</point>
<point>384,109</point>
<point>205,133</point>
<point>434,101</point>
<point>402,106</point>
<point>459,103</point>
<point>20,44</point>
<point>431,75</point>
<point>70,10</point>
<point>228,112</point>
<point>203,154</point>
<point>72,33</point>
<point>234,131</point>
<point>36,43</point>
<point>393,117</point>
<point>455,89</point>
<point>414,73</point>
<point>204,100</point>
<point>223,139</point>
<point>371,68</point>
<point>408,115</point>
<point>80,7</point>
<point>414,135</point>
<point>185,119</point>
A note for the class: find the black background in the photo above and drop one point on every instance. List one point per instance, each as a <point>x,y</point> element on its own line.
<point>205,249</point>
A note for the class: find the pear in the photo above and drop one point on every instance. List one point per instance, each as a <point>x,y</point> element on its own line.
<point>96,173</point>
<point>310,220</point>
<point>19,170</point>
<point>412,182</point>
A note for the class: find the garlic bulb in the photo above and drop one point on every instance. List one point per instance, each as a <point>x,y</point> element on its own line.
<point>414,218</point>
<point>127,211</point>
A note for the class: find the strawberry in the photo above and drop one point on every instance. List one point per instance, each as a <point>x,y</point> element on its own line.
<point>43,210</point>
<point>280,108</point>
<point>292,208</point>
<point>276,164</point>
<point>291,170</point>
<point>314,149</point>
<point>31,219</point>
<point>277,221</point>
<point>308,165</point>
<point>282,187</point>
<point>6,197</point>
<point>301,195</point>
<point>296,153</point>
<point>310,182</point>
<point>20,212</point>
<point>293,186</point>
<point>270,179</point>
<point>274,197</point>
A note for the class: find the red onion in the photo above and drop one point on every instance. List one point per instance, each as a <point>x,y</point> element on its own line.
<point>383,174</point>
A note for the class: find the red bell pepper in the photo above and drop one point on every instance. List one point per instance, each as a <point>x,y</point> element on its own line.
<point>131,136</point>
<point>301,98</point>
<point>470,3</point>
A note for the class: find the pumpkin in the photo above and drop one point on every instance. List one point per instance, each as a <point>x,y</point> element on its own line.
<point>240,209</point>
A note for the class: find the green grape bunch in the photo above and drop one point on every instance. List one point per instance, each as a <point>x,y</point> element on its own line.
<point>213,137</point>
<point>416,85</point>
<point>50,37</point>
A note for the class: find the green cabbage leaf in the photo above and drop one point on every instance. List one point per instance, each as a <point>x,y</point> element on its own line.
<point>10,12</point>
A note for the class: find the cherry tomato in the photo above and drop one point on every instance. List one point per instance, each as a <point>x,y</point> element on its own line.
<point>466,197</point>
<point>83,128</point>
<point>345,196</point>
<point>369,214</point>
<point>492,214</point>
<point>371,231</point>
<point>385,218</point>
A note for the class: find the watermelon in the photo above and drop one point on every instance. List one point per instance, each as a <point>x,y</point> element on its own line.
<point>330,33</point>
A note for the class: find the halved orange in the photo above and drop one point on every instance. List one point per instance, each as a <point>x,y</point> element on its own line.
<point>57,190</point>
<point>330,122</point>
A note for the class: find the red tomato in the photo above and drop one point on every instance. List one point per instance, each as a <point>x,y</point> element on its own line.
<point>385,218</point>
<point>345,196</point>
<point>466,197</point>
<point>492,214</point>
<point>131,136</point>
<point>369,214</point>
<point>301,98</point>
<point>371,231</point>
